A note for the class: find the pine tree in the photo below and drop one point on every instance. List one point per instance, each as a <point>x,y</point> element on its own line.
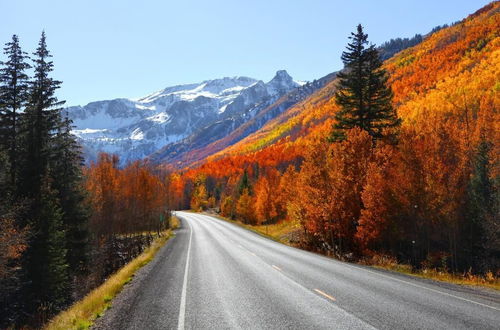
<point>363,95</point>
<point>46,271</point>
<point>13,97</point>
<point>65,164</point>
<point>40,122</point>
<point>482,228</point>
<point>244,183</point>
<point>49,280</point>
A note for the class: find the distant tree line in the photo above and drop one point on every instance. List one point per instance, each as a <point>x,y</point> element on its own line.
<point>390,48</point>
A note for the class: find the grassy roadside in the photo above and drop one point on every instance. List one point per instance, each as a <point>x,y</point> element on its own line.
<point>281,233</point>
<point>488,281</point>
<point>82,313</point>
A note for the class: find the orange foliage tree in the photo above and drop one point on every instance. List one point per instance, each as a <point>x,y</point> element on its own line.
<point>125,201</point>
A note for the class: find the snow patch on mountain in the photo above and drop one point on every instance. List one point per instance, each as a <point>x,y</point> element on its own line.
<point>134,129</point>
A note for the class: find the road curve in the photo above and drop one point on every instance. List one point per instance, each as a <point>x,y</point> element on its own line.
<point>216,275</point>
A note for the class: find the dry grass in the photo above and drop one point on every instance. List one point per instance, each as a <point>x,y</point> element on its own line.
<point>174,222</point>
<point>279,232</point>
<point>489,280</point>
<point>84,312</point>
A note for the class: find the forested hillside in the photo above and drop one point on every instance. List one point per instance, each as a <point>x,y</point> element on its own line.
<point>429,198</point>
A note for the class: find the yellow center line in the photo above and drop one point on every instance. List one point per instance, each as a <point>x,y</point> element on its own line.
<point>325,295</point>
<point>276,267</point>
<point>252,253</point>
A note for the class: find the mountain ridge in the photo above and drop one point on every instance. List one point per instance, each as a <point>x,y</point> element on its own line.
<point>136,128</point>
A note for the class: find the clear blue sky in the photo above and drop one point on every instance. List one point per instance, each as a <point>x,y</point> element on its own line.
<point>105,49</point>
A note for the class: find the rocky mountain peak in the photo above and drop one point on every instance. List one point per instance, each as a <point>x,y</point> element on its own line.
<point>282,81</point>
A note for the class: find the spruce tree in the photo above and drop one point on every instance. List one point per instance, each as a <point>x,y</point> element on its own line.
<point>13,98</point>
<point>45,262</point>
<point>66,164</point>
<point>49,280</point>
<point>363,95</point>
<point>482,230</point>
<point>244,183</point>
<point>40,122</point>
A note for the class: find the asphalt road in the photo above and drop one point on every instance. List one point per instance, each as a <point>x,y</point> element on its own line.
<point>216,275</point>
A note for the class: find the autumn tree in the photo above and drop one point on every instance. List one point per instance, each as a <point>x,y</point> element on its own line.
<point>330,183</point>
<point>268,204</point>
<point>199,199</point>
<point>413,198</point>
<point>13,243</point>
<point>363,95</point>
<point>102,183</point>
<point>290,197</point>
<point>227,207</point>
<point>245,207</point>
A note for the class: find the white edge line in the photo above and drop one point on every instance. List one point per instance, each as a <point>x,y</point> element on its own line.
<point>276,267</point>
<point>182,309</point>
<point>391,277</point>
<point>426,288</point>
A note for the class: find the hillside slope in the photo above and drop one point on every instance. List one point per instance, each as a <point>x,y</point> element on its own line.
<point>453,72</point>
<point>222,134</point>
<point>228,131</point>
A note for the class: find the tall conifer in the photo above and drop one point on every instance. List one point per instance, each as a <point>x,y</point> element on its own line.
<point>66,163</point>
<point>13,98</point>
<point>46,268</point>
<point>40,122</point>
<point>363,95</point>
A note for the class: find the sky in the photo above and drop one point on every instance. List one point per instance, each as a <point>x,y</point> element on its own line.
<point>105,49</point>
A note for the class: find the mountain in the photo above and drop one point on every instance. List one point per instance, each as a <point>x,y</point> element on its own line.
<point>231,129</point>
<point>135,129</point>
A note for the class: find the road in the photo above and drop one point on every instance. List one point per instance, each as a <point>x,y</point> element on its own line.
<point>216,275</point>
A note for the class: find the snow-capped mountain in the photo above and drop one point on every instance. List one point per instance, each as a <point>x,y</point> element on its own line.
<point>134,129</point>
<point>225,132</point>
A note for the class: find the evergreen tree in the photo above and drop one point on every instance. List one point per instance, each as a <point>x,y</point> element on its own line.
<point>40,122</point>
<point>363,95</point>
<point>46,271</point>
<point>47,267</point>
<point>65,164</point>
<point>13,97</point>
<point>482,229</point>
<point>244,183</point>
